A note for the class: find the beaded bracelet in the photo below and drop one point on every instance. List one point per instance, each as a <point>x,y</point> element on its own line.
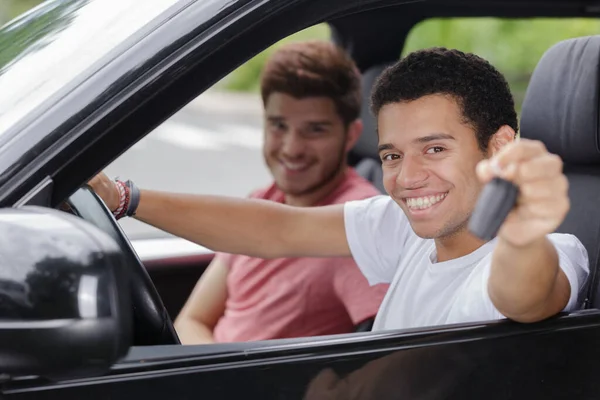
<point>129,198</point>
<point>124,198</point>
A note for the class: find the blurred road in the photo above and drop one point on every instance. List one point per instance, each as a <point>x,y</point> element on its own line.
<point>213,146</point>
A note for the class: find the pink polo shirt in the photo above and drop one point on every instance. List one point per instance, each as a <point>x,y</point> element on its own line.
<point>297,297</point>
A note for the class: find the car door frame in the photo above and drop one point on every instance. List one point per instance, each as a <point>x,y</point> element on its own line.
<point>493,360</point>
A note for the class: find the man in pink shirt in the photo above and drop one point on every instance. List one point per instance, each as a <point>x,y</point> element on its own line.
<point>311,95</point>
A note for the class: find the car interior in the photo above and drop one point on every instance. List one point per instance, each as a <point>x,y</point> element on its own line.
<point>574,102</point>
<point>560,109</point>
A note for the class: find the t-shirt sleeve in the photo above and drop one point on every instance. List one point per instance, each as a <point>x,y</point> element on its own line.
<point>572,260</point>
<point>361,300</point>
<point>377,230</point>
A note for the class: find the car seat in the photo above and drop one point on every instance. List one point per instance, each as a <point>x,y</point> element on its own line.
<point>368,164</point>
<point>561,109</point>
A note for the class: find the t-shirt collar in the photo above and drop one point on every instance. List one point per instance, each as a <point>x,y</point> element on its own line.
<point>460,262</point>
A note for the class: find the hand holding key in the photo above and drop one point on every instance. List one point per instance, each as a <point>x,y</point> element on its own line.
<point>540,203</point>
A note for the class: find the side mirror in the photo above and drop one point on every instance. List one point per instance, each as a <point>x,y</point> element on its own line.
<point>64,302</point>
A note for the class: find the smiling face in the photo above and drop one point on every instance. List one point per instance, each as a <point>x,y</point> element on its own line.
<point>306,143</point>
<point>429,157</point>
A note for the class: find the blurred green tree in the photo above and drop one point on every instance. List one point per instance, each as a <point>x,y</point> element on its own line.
<point>16,40</point>
<point>246,77</point>
<point>513,46</point>
<point>10,9</point>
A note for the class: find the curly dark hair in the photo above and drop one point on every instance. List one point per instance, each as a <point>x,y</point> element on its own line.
<point>480,90</point>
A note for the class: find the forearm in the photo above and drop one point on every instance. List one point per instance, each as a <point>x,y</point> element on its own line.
<point>223,224</point>
<point>524,280</point>
<point>191,331</point>
<point>252,227</point>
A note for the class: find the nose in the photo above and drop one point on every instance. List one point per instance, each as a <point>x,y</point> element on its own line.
<point>412,173</point>
<point>293,145</point>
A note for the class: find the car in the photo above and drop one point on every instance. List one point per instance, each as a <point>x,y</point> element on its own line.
<point>86,313</point>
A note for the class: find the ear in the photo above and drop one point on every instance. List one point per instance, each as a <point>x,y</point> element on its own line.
<point>355,129</point>
<point>501,138</point>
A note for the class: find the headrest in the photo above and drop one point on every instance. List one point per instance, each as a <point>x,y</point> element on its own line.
<point>561,104</point>
<point>366,146</point>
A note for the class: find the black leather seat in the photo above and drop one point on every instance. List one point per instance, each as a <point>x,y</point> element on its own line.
<point>365,150</point>
<point>561,108</point>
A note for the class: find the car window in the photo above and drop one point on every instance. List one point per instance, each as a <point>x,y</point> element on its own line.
<point>514,46</point>
<point>212,146</point>
<point>46,39</point>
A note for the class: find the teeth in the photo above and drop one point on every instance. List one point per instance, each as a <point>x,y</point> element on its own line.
<point>421,203</point>
<point>294,167</point>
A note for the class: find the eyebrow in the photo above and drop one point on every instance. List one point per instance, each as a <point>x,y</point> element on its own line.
<point>324,122</point>
<point>432,137</point>
<point>423,139</point>
<point>318,122</point>
<point>382,147</point>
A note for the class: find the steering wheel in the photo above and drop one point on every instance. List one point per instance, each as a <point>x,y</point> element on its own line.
<point>152,324</point>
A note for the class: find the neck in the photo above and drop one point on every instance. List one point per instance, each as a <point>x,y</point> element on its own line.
<point>457,245</point>
<point>315,196</point>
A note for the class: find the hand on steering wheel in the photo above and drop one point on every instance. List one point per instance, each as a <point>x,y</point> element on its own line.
<point>152,324</point>
<point>106,189</point>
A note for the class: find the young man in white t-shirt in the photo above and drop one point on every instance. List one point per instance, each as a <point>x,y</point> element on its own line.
<point>446,126</point>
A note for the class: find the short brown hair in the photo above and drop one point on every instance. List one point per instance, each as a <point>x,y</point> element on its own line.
<point>314,69</point>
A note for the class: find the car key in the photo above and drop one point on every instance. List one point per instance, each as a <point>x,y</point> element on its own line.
<point>496,200</point>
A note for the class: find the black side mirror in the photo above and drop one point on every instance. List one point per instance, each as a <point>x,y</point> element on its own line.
<point>64,302</point>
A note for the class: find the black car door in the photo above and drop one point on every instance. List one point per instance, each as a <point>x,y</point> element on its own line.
<point>500,360</point>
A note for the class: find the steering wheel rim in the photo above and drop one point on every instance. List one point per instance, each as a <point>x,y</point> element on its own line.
<point>151,321</point>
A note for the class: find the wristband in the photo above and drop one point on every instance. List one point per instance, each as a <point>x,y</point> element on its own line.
<point>134,198</point>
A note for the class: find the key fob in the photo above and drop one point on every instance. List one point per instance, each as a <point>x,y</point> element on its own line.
<point>496,200</point>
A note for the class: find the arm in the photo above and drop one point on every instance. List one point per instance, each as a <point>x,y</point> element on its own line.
<point>526,282</point>
<point>252,227</point>
<point>204,307</point>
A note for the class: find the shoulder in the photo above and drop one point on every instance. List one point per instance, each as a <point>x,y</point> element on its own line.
<point>572,254</point>
<point>376,216</point>
<point>378,205</point>
<point>569,244</point>
<point>378,219</point>
<point>574,262</point>
<point>377,232</point>
<point>354,187</point>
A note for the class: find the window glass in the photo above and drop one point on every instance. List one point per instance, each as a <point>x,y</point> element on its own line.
<point>213,145</point>
<point>58,33</point>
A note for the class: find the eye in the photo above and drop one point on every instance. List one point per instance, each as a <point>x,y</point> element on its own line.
<point>390,157</point>
<point>435,149</point>
<point>278,126</point>
<point>315,131</point>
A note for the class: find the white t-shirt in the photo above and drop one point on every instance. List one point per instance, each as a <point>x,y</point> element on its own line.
<point>424,292</point>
